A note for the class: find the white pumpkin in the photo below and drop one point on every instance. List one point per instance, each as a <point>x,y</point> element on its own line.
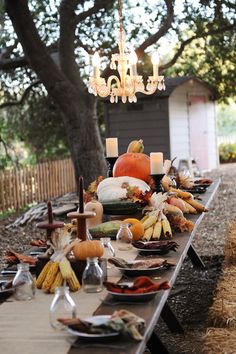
<point>114,188</point>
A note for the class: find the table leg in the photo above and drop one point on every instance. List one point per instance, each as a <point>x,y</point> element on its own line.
<point>155,345</point>
<point>195,259</point>
<point>171,320</point>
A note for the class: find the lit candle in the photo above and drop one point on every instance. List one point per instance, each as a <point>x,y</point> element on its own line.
<point>81,194</point>
<point>112,147</point>
<point>133,63</point>
<point>96,65</point>
<point>155,62</point>
<point>156,159</point>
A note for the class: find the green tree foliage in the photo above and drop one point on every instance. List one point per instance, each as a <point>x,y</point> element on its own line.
<point>226,118</point>
<point>200,38</point>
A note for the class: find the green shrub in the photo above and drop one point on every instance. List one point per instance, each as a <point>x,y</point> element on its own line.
<point>227,152</point>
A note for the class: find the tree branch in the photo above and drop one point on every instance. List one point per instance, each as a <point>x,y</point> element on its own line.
<point>23,97</point>
<point>185,43</point>
<point>98,5</point>
<point>67,42</point>
<point>5,148</point>
<point>56,83</point>
<point>161,32</point>
<point>13,63</point>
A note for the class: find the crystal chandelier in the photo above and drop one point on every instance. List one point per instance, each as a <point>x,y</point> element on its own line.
<point>129,82</point>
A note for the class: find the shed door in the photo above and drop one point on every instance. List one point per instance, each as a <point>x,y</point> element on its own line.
<point>198,130</point>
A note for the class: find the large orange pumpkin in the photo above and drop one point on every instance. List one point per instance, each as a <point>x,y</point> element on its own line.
<point>133,165</point>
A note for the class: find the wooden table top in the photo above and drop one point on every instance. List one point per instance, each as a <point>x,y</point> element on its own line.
<point>151,310</point>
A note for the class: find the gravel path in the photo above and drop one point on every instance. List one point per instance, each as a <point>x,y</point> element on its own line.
<point>209,239</point>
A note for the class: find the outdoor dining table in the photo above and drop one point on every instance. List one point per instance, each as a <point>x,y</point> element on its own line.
<point>25,326</point>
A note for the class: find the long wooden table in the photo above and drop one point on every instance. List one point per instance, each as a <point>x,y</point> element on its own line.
<point>25,325</point>
<point>152,310</point>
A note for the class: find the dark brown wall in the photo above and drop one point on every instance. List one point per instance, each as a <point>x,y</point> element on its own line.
<point>148,119</point>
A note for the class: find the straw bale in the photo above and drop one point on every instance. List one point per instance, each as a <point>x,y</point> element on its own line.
<point>230,244</point>
<point>219,341</point>
<point>223,313</point>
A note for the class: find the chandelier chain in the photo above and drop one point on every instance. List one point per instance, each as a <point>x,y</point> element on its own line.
<point>120,14</point>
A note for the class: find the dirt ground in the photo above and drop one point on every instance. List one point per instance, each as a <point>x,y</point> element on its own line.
<point>193,291</point>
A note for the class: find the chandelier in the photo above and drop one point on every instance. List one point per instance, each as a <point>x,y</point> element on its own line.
<point>129,82</point>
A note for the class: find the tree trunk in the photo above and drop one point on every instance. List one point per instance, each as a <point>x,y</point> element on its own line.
<point>84,138</point>
<point>77,106</point>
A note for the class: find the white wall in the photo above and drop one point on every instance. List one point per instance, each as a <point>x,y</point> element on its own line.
<point>179,122</point>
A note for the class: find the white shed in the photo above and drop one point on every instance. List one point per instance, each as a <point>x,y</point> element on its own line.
<point>180,121</point>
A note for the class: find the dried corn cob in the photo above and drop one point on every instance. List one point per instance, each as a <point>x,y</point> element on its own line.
<point>190,208</point>
<point>148,233</point>
<point>43,274</point>
<point>65,268</point>
<point>145,217</point>
<point>166,228</point>
<point>180,193</point>
<point>172,209</point>
<point>150,221</point>
<point>198,206</point>
<point>50,277</point>
<point>73,282</point>
<point>57,282</point>
<point>157,230</point>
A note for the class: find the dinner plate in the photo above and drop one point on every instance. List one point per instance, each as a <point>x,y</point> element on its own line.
<point>147,252</point>
<point>133,297</point>
<point>133,272</point>
<point>96,320</point>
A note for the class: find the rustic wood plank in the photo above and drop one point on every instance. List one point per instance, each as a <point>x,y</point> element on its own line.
<point>152,310</point>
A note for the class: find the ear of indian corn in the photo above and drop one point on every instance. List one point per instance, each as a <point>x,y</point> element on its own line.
<point>57,282</point>
<point>42,275</point>
<point>145,217</point>
<point>73,282</point>
<point>172,209</point>
<point>65,268</point>
<point>198,206</point>
<point>191,209</point>
<point>180,193</point>
<point>149,221</point>
<point>166,228</point>
<point>157,230</point>
<point>148,233</point>
<point>50,277</point>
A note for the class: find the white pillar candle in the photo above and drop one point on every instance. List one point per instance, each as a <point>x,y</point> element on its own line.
<point>156,160</point>
<point>133,59</point>
<point>96,65</point>
<point>111,147</point>
<point>155,62</point>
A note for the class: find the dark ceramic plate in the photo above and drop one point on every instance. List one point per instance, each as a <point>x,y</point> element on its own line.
<point>133,297</point>
<point>96,320</point>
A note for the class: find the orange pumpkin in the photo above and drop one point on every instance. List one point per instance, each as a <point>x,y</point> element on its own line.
<point>88,249</point>
<point>136,228</point>
<point>133,165</point>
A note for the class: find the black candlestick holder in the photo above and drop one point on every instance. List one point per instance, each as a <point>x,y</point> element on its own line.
<point>110,163</point>
<point>157,182</point>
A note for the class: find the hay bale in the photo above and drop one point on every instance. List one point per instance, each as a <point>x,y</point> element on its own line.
<point>230,244</point>
<point>223,313</point>
<point>219,341</point>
